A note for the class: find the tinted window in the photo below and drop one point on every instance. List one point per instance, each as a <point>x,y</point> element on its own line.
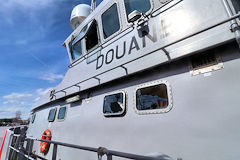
<point>92,37</point>
<point>153,97</point>
<point>62,113</point>
<point>236,4</point>
<point>33,118</point>
<point>76,50</point>
<point>114,104</point>
<point>142,6</point>
<point>51,115</point>
<point>110,21</point>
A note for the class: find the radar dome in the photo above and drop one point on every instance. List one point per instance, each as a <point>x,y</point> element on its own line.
<point>79,13</point>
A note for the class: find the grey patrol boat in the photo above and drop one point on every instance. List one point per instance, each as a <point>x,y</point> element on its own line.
<point>148,79</point>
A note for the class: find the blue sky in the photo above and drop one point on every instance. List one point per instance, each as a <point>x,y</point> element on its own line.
<point>32,59</point>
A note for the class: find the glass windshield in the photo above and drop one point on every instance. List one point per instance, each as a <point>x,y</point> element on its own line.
<point>76,50</point>
<point>110,21</point>
<point>142,6</point>
<point>75,45</point>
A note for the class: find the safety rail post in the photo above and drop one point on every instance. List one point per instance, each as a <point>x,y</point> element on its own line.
<point>54,154</point>
<point>29,146</point>
<point>109,157</point>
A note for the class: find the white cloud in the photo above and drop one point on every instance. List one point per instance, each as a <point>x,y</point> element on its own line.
<point>26,4</point>
<point>23,102</point>
<point>42,91</point>
<point>16,99</point>
<point>10,111</point>
<point>51,77</point>
<point>17,96</point>
<point>36,99</point>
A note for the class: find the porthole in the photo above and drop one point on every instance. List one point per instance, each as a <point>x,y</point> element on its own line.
<point>51,115</point>
<point>114,104</point>
<point>62,113</point>
<point>153,98</point>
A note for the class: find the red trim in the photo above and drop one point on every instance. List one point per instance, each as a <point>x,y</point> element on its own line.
<point>3,144</point>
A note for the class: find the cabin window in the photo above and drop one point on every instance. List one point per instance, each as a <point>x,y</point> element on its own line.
<point>114,104</point>
<point>110,21</point>
<point>76,50</point>
<point>92,42</point>
<point>33,117</point>
<point>62,113</point>
<point>51,115</point>
<point>236,5</point>
<point>76,44</point>
<point>141,6</point>
<point>154,97</point>
<point>92,37</point>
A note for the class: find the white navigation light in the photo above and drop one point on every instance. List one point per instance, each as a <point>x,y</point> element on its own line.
<point>79,13</point>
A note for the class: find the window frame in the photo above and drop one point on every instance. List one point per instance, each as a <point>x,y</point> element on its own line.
<point>147,13</point>
<point>154,111</point>
<point>82,40</point>
<point>120,114</point>
<point>55,108</point>
<point>60,120</point>
<point>101,22</point>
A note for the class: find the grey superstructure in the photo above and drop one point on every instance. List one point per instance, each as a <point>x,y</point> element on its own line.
<point>155,78</point>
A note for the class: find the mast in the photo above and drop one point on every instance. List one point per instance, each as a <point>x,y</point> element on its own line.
<point>93,5</point>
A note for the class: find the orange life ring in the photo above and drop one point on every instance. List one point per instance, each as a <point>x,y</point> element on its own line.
<point>44,146</point>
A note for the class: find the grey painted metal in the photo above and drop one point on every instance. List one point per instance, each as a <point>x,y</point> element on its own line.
<point>162,48</point>
<point>67,84</point>
<point>203,120</point>
<point>196,123</point>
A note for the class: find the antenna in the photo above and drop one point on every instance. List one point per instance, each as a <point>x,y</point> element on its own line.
<point>93,5</point>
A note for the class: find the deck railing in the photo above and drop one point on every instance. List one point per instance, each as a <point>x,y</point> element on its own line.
<point>18,151</point>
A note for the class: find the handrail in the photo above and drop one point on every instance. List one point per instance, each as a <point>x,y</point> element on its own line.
<point>161,48</point>
<point>18,151</point>
<point>104,151</point>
